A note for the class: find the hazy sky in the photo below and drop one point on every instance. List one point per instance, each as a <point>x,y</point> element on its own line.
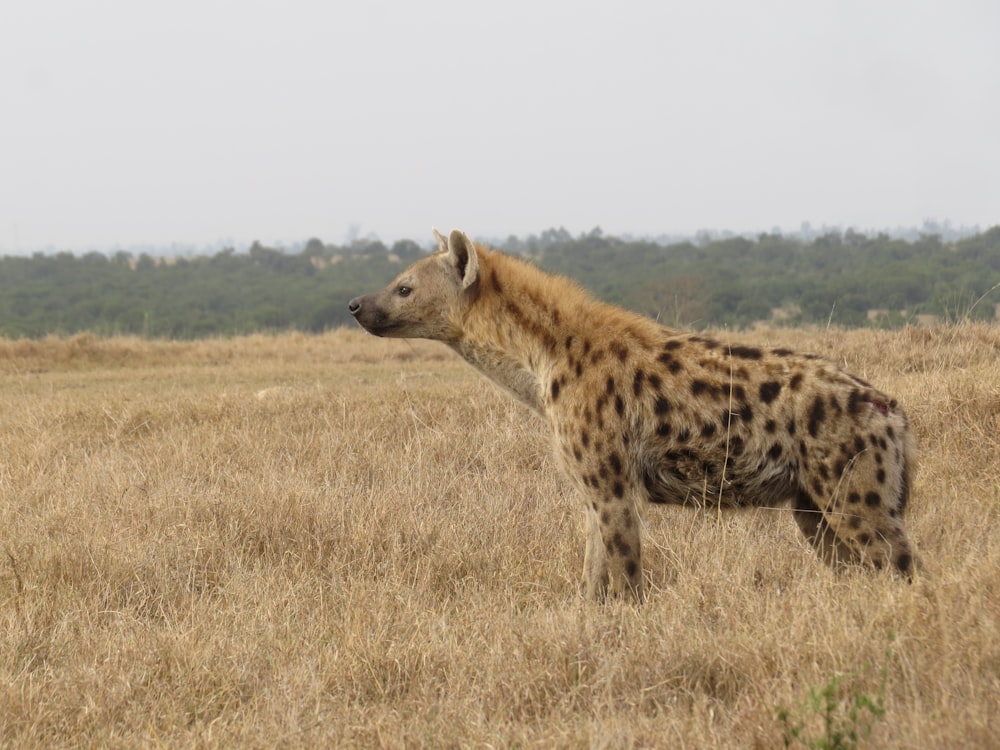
<point>196,121</point>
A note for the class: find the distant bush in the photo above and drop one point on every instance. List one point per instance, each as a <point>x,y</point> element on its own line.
<point>848,280</point>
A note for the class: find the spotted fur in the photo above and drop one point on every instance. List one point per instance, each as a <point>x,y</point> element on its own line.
<point>643,414</point>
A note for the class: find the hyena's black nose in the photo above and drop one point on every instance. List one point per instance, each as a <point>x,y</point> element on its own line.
<point>354,306</point>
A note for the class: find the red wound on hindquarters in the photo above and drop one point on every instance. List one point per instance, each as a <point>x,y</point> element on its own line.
<point>881,406</point>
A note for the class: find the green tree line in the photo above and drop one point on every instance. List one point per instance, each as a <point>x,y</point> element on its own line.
<point>848,279</point>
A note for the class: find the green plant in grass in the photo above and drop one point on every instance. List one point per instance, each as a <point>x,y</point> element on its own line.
<point>830,720</point>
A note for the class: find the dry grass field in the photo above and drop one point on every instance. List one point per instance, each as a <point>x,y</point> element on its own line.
<point>339,540</point>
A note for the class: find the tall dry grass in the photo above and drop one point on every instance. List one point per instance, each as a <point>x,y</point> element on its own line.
<point>338,540</point>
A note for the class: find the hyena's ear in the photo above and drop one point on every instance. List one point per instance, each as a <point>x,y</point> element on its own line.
<point>462,255</point>
<point>442,240</point>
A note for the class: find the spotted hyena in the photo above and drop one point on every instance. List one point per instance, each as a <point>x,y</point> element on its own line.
<point>641,413</point>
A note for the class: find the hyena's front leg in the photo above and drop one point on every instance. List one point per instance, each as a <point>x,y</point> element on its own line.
<point>595,561</point>
<point>613,561</point>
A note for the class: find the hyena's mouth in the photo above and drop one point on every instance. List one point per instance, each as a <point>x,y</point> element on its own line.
<point>380,328</point>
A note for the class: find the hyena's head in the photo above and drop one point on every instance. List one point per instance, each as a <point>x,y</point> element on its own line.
<point>427,300</point>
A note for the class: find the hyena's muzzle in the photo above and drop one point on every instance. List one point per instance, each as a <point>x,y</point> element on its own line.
<point>370,316</point>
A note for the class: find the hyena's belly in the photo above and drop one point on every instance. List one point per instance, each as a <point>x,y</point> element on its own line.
<point>689,476</point>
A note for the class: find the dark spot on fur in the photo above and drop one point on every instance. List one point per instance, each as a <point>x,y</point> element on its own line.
<point>796,381</point>
<point>889,432</point>
<point>616,463</point>
<point>597,356</point>
<point>835,405</point>
<point>621,545</point>
<point>746,413</point>
<point>817,486</point>
<point>569,343</point>
<point>707,430</point>
<point>816,416</point>
<point>619,406</point>
<point>654,381</point>
<point>609,387</point>
<point>683,435</point>
<point>555,390</point>
<point>579,369</point>
<point>672,344</point>
<point>737,392</point>
<point>782,352</point>
<point>859,444</point>
<point>745,352</point>
<point>637,382</point>
<point>620,350</point>
<point>823,471</point>
<point>838,468</point>
<point>769,391</point>
<point>872,499</point>
<point>736,446</point>
<point>854,402</point>
<point>790,427</point>
<point>865,539</point>
<point>903,563</point>
<point>775,452</point>
<point>585,438</point>
<point>880,476</point>
<point>577,454</point>
<point>853,498</point>
<point>618,490</point>
<point>855,522</point>
<point>699,387</point>
<point>663,429</point>
<point>661,407</point>
<point>770,426</point>
<point>631,568</point>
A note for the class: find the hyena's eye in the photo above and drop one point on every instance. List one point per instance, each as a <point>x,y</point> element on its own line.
<point>403,291</point>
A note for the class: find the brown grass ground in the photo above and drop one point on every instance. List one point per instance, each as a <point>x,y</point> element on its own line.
<point>306,541</point>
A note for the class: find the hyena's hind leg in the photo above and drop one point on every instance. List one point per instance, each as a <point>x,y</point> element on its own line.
<point>817,531</point>
<point>857,516</point>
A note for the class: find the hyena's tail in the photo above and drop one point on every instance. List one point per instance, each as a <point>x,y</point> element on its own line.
<point>909,470</point>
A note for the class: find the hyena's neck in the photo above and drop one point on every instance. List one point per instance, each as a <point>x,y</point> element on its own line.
<point>515,331</point>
